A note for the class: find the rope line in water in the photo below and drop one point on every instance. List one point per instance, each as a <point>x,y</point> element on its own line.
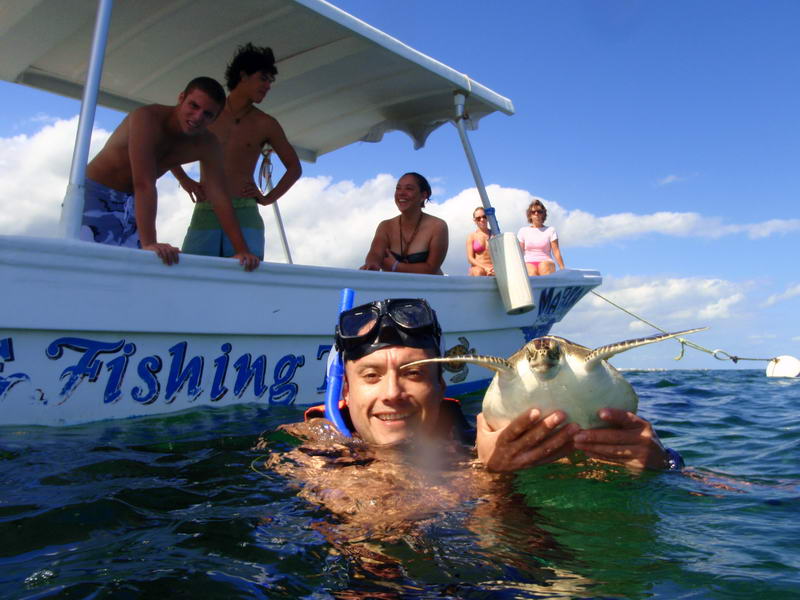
<point>262,459</point>
<point>718,354</point>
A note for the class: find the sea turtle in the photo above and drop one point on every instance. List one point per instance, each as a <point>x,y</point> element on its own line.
<point>459,368</point>
<point>551,373</point>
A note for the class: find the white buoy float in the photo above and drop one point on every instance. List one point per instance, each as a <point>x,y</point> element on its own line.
<point>783,366</point>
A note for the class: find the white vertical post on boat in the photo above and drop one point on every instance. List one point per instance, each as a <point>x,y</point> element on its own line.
<point>460,99</point>
<point>509,267</point>
<point>265,183</point>
<point>72,208</point>
<point>282,231</point>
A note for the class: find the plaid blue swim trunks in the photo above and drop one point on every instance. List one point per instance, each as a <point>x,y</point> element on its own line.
<point>108,216</point>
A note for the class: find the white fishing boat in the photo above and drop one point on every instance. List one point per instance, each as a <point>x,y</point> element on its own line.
<point>91,332</point>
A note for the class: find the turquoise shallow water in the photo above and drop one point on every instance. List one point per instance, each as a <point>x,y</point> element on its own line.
<point>170,508</point>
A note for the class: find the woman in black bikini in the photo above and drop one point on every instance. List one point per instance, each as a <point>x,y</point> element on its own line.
<point>413,241</point>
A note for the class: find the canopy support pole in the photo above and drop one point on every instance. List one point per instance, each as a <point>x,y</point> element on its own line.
<point>72,208</point>
<point>510,273</point>
<point>460,99</point>
<point>265,183</point>
<point>282,231</point>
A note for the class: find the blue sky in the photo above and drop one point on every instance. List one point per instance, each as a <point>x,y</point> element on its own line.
<point>662,136</point>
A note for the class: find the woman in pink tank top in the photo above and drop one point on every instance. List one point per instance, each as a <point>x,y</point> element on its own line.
<point>478,256</point>
<point>539,243</point>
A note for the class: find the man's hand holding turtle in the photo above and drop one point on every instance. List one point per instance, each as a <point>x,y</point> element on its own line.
<point>630,441</point>
<point>526,441</point>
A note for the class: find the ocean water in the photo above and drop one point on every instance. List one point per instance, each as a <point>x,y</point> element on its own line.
<point>182,507</point>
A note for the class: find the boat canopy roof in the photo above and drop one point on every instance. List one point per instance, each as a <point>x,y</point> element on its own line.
<point>340,80</point>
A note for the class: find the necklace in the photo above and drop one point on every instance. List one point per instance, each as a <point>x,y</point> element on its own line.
<point>238,119</point>
<point>403,243</point>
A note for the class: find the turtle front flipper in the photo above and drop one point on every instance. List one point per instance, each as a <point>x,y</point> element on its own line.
<point>495,363</point>
<point>606,352</point>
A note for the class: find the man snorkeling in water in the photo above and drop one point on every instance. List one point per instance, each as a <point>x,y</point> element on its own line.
<point>409,465</point>
<point>385,402</point>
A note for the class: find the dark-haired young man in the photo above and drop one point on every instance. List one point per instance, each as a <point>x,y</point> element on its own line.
<point>243,131</point>
<point>121,198</point>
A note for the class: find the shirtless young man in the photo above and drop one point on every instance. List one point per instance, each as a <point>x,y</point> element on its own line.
<point>121,197</point>
<point>243,131</point>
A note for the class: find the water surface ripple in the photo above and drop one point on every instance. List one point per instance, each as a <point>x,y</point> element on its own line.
<point>170,507</point>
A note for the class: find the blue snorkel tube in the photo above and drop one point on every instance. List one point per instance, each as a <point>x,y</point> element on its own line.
<point>336,373</point>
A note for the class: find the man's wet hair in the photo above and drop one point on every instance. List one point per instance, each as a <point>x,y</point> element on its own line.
<point>250,59</point>
<point>209,86</point>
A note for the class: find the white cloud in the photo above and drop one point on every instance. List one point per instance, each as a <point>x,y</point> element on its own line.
<point>759,337</point>
<point>669,179</point>
<point>672,304</point>
<point>586,229</point>
<point>174,210</point>
<point>769,228</point>
<point>43,118</point>
<point>330,224</point>
<point>721,309</point>
<point>792,292</point>
<point>33,177</point>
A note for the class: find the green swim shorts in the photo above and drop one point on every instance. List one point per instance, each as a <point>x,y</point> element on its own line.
<point>205,235</point>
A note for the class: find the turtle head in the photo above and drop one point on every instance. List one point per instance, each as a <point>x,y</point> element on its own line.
<point>543,355</point>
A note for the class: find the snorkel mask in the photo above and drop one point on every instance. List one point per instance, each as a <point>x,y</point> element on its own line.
<point>395,322</point>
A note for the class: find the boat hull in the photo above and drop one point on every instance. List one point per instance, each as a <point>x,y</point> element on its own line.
<point>91,332</point>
